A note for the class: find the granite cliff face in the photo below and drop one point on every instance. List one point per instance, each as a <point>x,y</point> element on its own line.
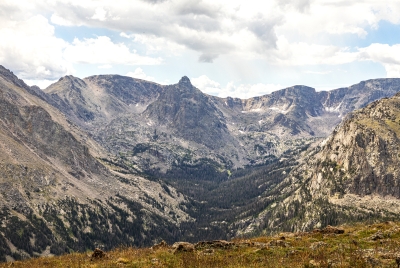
<point>55,194</point>
<point>352,176</point>
<point>189,114</point>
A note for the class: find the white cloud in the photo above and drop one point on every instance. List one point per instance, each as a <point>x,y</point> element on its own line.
<point>102,50</point>
<point>213,27</point>
<point>57,20</point>
<point>207,85</point>
<point>100,14</point>
<point>242,91</point>
<point>40,83</point>
<point>388,56</point>
<point>245,91</point>
<point>125,35</point>
<point>139,73</point>
<point>156,44</point>
<point>105,66</point>
<point>209,27</point>
<point>299,5</point>
<point>31,50</point>
<point>216,27</point>
<point>317,72</point>
<point>338,18</point>
<point>277,32</point>
<point>301,53</point>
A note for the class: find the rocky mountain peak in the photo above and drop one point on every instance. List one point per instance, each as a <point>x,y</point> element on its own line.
<point>72,81</point>
<point>185,81</point>
<point>190,113</point>
<point>297,90</point>
<point>68,82</point>
<point>68,78</point>
<point>10,76</point>
<point>5,72</point>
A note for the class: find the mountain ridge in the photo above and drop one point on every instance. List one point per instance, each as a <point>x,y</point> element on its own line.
<point>297,112</point>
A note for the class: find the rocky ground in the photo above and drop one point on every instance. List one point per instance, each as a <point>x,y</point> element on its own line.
<point>375,245</point>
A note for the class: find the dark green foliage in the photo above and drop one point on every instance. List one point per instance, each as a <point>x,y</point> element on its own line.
<point>201,169</point>
<point>220,199</point>
<point>4,249</point>
<point>20,233</point>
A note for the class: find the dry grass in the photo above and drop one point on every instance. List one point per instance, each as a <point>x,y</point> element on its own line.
<point>360,246</point>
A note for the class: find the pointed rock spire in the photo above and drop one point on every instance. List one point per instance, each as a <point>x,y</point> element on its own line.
<point>185,81</point>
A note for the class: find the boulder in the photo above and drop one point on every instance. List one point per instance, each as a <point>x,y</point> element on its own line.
<point>182,247</point>
<point>214,244</point>
<point>329,230</point>
<point>98,254</point>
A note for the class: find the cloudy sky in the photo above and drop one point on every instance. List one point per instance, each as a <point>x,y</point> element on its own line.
<point>226,47</point>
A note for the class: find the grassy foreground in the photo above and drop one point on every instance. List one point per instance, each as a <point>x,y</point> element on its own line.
<point>375,245</point>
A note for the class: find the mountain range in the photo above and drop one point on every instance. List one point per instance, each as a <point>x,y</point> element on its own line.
<point>109,160</point>
<point>155,126</point>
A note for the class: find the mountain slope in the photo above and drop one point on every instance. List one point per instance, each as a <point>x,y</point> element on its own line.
<point>354,175</point>
<point>300,111</point>
<point>100,98</point>
<point>189,113</point>
<point>55,196</point>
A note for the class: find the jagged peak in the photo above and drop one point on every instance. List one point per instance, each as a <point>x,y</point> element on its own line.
<point>73,80</point>
<point>69,78</point>
<point>300,87</point>
<point>10,76</point>
<point>185,81</point>
<point>2,68</point>
<point>6,72</point>
<point>69,82</point>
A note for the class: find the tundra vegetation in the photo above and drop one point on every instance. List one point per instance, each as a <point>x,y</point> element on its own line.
<point>358,245</point>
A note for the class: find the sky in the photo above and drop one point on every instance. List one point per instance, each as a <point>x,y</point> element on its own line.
<point>226,47</point>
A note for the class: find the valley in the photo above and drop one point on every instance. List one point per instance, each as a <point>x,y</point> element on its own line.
<point>110,160</point>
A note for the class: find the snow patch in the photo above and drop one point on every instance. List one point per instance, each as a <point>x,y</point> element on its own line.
<point>253,111</point>
<point>333,109</point>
